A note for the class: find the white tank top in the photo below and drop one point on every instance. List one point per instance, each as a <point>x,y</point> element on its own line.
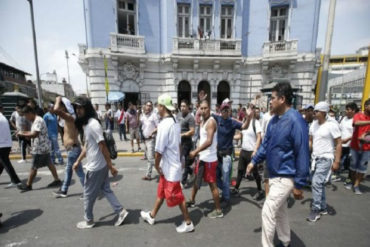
<point>209,154</point>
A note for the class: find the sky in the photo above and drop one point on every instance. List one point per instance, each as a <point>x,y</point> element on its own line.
<point>60,26</point>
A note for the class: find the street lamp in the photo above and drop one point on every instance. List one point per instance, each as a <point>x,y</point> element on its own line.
<point>38,85</point>
<point>67,57</point>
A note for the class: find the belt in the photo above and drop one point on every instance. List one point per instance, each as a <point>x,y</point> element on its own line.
<point>72,146</point>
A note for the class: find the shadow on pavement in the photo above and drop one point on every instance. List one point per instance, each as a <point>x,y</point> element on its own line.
<point>20,218</point>
<point>195,215</point>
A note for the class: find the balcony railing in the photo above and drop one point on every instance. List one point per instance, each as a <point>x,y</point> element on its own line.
<point>207,47</point>
<point>280,48</point>
<point>127,43</point>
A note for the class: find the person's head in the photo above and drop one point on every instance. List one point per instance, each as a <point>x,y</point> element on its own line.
<point>331,113</point>
<point>184,107</point>
<point>227,101</point>
<point>107,106</point>
<point>84,111</point>
<point>96,107</point>
<point>18,108</point>
<point>205,110</point>
<point>351,109</point>
<point>308,113</point>
<point>32,103</point>
<point>240,107</point>
<point>201,94</point>
<point>130,105</point>
<point>321,110</point>
<point>165,106</point>
<point>29,113</point>
<point>257,113</point>
<point>225,110</point>
<point>50,107</point>
<point>217,107</point>
<point>148,107</point>
<point>367,107</point>
<point>281,97</point>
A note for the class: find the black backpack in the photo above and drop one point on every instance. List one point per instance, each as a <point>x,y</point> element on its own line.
<point>111,145</point>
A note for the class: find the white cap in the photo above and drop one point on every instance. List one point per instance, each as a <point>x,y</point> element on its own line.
<point>227,101</point>
<point>322,106</point>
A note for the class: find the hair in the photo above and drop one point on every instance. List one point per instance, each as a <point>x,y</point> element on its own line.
<point>204,101</point>
<point>107,104</point>
<point>185,102</point>
<point>28,109</point>
<point>367,102</point>
<point>352,106</point>
<point>148,101</point>
<point>284,89</point>
<point>89,113</point>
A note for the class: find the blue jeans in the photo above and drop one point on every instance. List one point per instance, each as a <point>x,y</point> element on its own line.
<point>122,131</point>
<point>318,183</point>
<point>55,149</point>
<point>223,175</point>
<point>72,156</point>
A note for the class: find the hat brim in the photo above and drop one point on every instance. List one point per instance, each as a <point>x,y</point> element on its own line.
<point>171,108</point>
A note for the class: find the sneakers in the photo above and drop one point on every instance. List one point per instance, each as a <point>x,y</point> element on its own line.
<point>313,216</point>
<point>216,214</point>
<point>147,217</point>
<point>121,217</point>
<point>190,204</point>
<point>335,178</point>
<point>235,192</point>
<point>11,185</point>
<point>357,190</point>
<point>147,178</point>
<point>85,225</point>
<point>60,194</point>
<point>55,183</point>
<point>24,187</point>
<point>259,195</point>
<point>347,181</point>
<point>21,161</point>
<point>324,211</point>
<point>184,227</point>
<point>348,186</point>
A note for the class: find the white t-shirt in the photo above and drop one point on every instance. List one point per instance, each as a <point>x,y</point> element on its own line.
<point>5,137</point>
<point>323,138</point>
<point>265,121</point>
<point>41,143</point>
<point>250,137</point>
<point>168,144</point>
<point>93,134</point>
<point>117,115</point>
<point>346,127</point>
<point>149,123</point>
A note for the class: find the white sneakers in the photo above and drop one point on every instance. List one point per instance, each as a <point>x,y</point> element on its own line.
<point>184,227</point>
<point>85,225</point>
<point>146,217</point>
<point>121,217</point>
<point>22,161</point>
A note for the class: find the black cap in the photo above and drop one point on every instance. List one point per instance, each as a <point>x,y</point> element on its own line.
<point>81,101</point>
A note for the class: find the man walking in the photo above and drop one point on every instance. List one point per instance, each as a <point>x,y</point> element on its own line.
<point>64,109</point>
<point>109,119</point>
<point>132,124</point>
<point>187,123</point>
<point>149,123</point>
<point>97,166</point>
<point>121,119</point>
<point>40,148</point>
<point>325,139</point>
<point>360,148</point>
<point>168,165</point>
<point>52,125</point>
<point>207,165</point>
<point>20,123</point>
<point>285,148</point>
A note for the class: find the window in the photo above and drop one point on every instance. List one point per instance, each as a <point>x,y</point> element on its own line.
<point>227,15</point>
<point>183,19</point>
<point>205,20</point>
<point>126,17</point>
<point>278,23</point>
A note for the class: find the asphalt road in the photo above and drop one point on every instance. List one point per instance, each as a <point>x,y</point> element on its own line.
<point>36,218</point>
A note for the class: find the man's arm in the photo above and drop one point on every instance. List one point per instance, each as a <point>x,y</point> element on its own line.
<point>249,117</point>
<point>361,123</point>
<point>104,150</point>
<point>344,141</point>
<point>258,143</point>
<point>80,158</point>
<point>310,143</point>
<point>211,129</point>
<point>189,133</point>
<point>337,154</point>
<point>29,134</point>
<point>57,110</point>
<point>157,161</point>
<point>12,121</point>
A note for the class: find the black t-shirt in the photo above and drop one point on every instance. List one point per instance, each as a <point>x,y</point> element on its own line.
<point>186,123</point>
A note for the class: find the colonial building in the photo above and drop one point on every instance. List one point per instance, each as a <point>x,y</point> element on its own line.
<point>229,48</point>
<point>49,83</point>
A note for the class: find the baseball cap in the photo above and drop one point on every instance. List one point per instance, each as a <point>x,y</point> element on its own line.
<point>224,105</point>
<point>166,101</point>
<point>80,101</point>
<point>308,106</point>
<point>322,106</point>
<point>227,101</point>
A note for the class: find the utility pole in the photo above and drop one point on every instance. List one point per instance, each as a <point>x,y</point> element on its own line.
<point>38,85</point>
<point>325,67</point>
<point>67,57</point>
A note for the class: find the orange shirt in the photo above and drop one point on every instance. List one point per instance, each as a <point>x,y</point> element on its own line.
<point>358,131</point>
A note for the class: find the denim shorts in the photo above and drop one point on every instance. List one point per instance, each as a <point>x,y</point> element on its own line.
<point>359,161</point>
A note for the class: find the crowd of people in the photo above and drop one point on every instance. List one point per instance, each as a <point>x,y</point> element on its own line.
<point>282,150</point>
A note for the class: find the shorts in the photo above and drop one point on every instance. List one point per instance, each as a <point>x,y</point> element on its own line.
<point>40,160</point>
<point>359,161</point>
<point>209,171</point>
<point>171,191</point>
<point>134,133</point>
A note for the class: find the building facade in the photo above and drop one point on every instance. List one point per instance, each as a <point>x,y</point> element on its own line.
<point>49,83</point>
<point>229,48</point>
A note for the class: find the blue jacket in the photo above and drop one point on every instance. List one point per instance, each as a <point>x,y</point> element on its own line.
<point>285,148</point>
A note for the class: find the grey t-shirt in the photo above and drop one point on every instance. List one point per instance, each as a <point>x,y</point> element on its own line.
<point>186,123</point>
<point>93,136</point>
<point>20,121</point>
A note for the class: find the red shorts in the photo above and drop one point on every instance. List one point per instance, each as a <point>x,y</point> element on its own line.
<point>209,175</point>
<point>171,191</point>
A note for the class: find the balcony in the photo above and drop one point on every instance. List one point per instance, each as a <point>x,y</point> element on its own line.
<point>127,43</point>
<point>206,47</point>
<point>280,49</point>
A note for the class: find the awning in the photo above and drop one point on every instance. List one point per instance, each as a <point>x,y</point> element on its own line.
<point>115,96</point>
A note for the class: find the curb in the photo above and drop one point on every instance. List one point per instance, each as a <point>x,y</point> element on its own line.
<point>119,154</point>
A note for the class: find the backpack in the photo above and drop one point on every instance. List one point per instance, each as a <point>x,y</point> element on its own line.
<point>111,145</point>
